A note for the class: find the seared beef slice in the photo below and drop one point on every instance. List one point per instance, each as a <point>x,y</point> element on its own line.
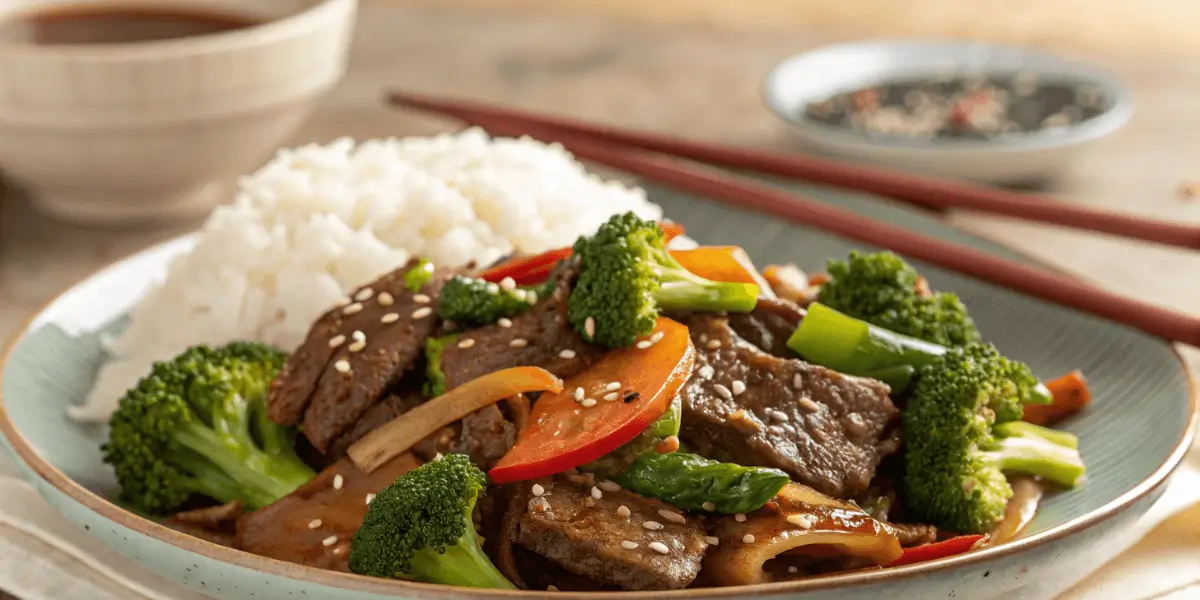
<point>589,536</point>
<point>542,336</point>
<point>827,430</point>
<point>352,355</point>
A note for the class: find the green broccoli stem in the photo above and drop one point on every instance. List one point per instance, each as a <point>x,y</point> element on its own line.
<point>262,477</point>
<point>464,564</point>
<point>205,478</point>
<point>707,297</point>
<point>1038,456</point>
<point>1029,430</point>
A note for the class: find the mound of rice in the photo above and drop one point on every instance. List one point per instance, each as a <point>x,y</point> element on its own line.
<point>318,221</point>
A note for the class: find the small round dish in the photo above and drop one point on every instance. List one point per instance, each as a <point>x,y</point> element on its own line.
<point>1017,157</point>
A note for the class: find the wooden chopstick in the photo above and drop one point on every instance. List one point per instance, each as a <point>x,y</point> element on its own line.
<point>1054,287</point>
<point>914,189</point>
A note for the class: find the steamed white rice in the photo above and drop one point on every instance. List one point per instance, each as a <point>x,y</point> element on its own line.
<point>318,221</point>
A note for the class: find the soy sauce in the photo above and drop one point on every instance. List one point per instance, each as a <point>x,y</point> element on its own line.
<point>117,24</point>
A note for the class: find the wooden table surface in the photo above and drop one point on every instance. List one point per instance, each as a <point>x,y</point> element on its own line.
<point>702,82</point>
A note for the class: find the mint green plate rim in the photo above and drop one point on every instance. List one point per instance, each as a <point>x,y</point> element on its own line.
<point>60,481</point>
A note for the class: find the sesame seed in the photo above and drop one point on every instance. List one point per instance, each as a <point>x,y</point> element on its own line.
<point>336,341</point>
<point>738,386</point>
<point>329,541</point>
<point>358,336</point>
<point>659,547</point>
<point>737,415</point>
<point>713,344</point>
<point>798,381</point>
<point>740,518</point>
<point>567,354</point>
<point>467,343</point>
<point>800,521</point>
<point>712,540</point>
<point>390,318</point>
<point>623,511</point>
<point>642,345</point>
<point>628,545</point>
<point>538,490</point>
<point>356,346</point>
<point>338,481</point>
<point>504,322</point>
<point>808,404</point>
<point>778,415</point>
<point>672,516</point>
<point>343,301</point>
<point>657,337</point>
<point>612,387</point>
<point>492,288</point>
<point>508,283</point>
<point>531,296</point>
<point>588,402</point>
<point>422,312</point>
<point>370,497</point>
<point>421,299</point>
<point>427,267</point>
<point>709,506</point>
<point>315,523</point>
<point>723,391</point>
<point>652,525</point>
<point>552,588</point>
<point>748,538</point>
<point>342,366</point>
<point>364,294</point>
<point>596,493</point>
<point>519,343</point>
<point>612,396</point>
<point>706,372</point>
<point>793,569</point>
<point>578,394</point>
<point>437,456</point>
<point>589,327</point>
<point>385,299</point>
<point>609,485</point>
<point>353,308</point>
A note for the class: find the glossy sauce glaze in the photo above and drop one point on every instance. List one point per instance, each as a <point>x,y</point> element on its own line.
<point>116,24</point>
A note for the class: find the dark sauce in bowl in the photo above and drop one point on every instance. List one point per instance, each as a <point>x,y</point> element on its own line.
<point>959,107</point>
<point>116,24</point>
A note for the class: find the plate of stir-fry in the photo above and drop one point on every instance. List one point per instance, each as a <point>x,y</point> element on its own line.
<point>621,417</point>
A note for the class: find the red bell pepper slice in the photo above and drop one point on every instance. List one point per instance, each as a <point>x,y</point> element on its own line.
<point>942,549</point>
<point>565,432</point>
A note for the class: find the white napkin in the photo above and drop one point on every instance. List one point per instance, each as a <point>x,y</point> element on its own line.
<point>45,557</point>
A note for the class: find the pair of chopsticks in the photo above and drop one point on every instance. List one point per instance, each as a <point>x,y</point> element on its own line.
<point>657,158</point>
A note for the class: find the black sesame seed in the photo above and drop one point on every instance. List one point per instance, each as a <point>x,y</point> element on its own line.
<point>630,396</point>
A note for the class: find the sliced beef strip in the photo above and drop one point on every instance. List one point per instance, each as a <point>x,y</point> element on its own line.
<point>394,333</point>
<point>546,334</point>
<point>295,527</point>
<point>769,325</point>
<point>294,386</point>
<point>212,517</point>
<point>584,535</point>
<point>827,430</point>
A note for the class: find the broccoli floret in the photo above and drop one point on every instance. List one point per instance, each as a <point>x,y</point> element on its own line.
<point>961,434</point>
<point>420,528</point>
<point>473,302</point>
<point>881,289</point>
<point>627,276</point>
<point>435,378</point>
<point>197,425</point>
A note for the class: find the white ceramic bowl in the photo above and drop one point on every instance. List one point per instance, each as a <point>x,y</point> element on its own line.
<point>1021,157</point>
<point>126,133</point>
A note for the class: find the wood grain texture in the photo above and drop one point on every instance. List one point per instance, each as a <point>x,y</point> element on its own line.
<point>1145,27</point>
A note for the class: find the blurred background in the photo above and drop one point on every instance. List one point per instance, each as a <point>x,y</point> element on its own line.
<point>1158,27</point>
